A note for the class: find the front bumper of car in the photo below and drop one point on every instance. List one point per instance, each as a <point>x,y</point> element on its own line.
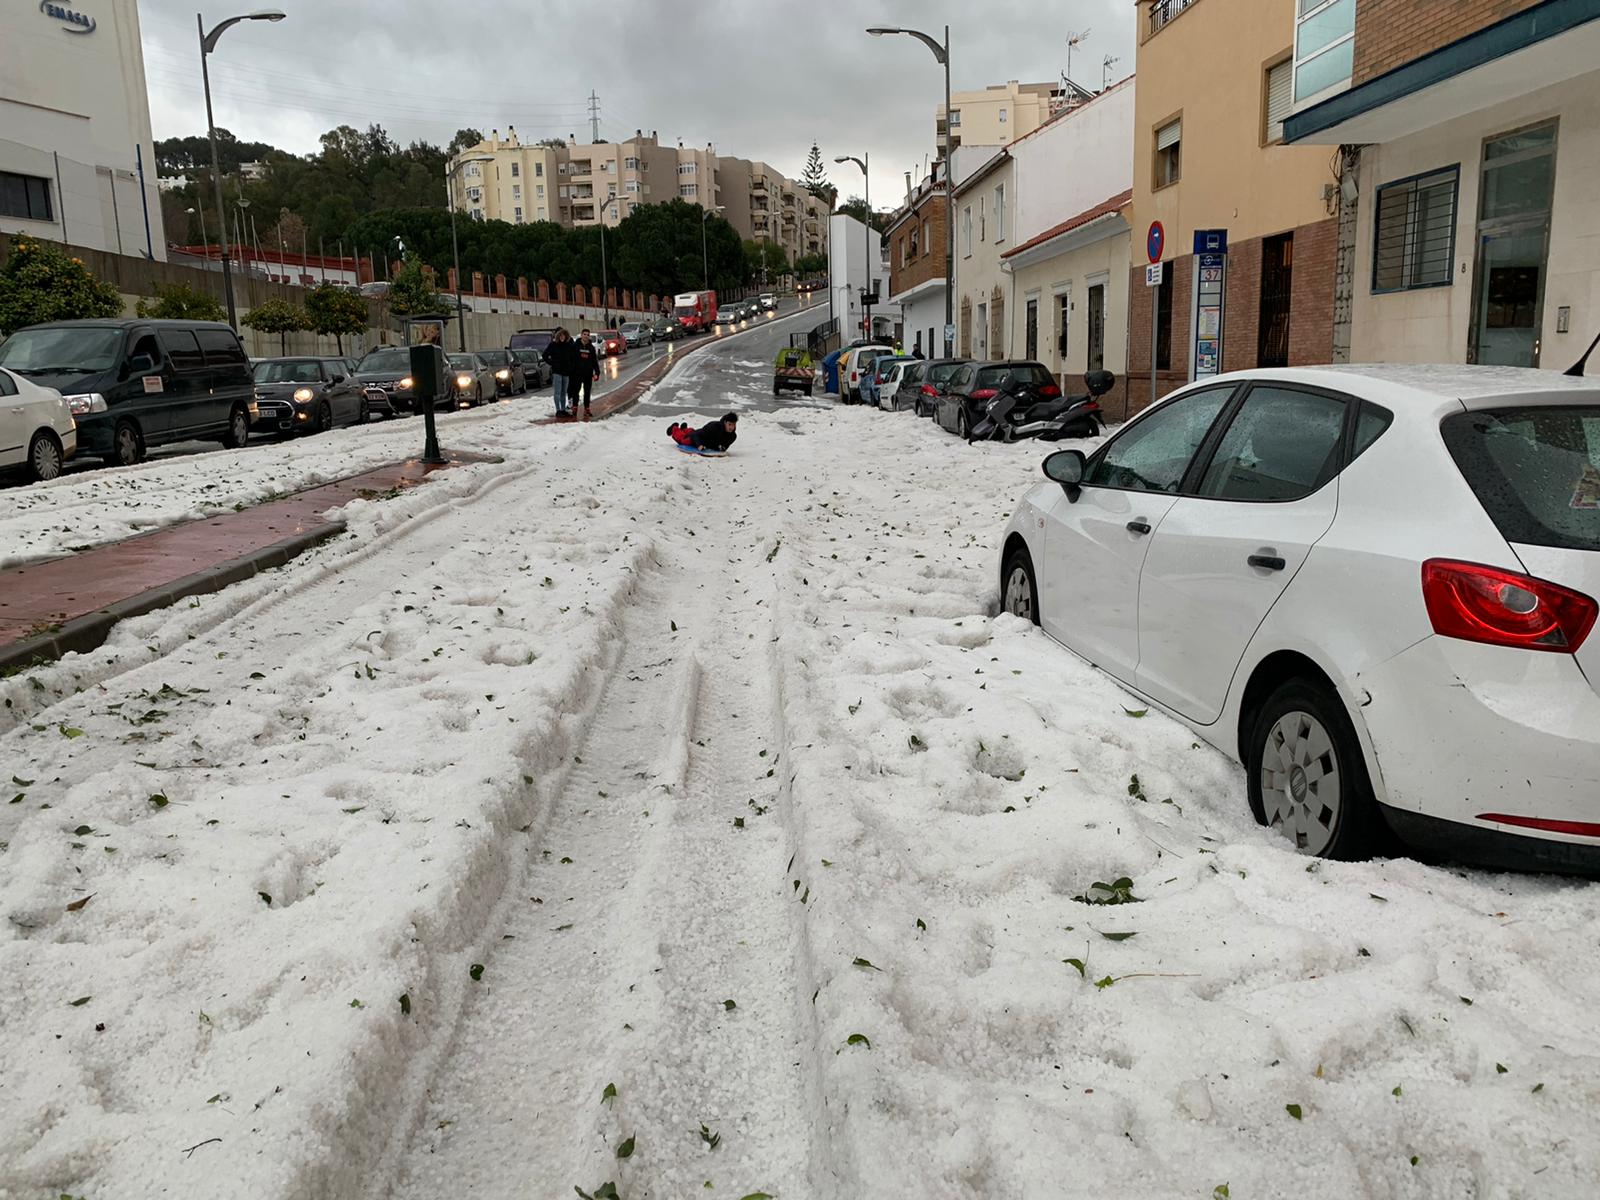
<point>399,399</point>
<point>1489,754</point>
<point>282,413</point>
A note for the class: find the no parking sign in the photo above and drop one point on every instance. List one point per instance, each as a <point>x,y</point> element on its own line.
<point>1155,241</point>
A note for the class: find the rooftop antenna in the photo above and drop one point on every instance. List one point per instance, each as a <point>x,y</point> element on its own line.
<point>1105,71</point>
<point>1577,368</point>
<point>1075,39</point>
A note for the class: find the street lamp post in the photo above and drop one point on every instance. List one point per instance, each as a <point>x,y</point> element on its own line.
<point>455,248</point>
<point>941,54</point>
<point>605,281</point>
<point>705,261</point>
<point>208,43</point>
<point>866,287</point>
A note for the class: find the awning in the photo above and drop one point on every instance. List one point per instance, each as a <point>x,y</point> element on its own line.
<point>1550,43</point>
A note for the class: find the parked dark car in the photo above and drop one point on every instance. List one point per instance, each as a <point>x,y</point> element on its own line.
<point>532,339</point>
<point>306,395</point>
<point>386,373</point>
<point>534,368</point>
<point>509,378</point>
<point>668,329</point>
<point>931,381</point>
<point>132,384</point>
<point>966,395</point>
<point>469,380</point>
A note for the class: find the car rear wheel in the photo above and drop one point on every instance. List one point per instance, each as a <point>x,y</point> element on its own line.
<point>44,457</point>
<point>1020,596</point>
<point>1307,777</point>
<point>127,445</point>
<point>238,429</point>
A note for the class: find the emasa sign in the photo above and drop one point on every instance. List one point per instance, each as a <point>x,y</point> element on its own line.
<point>76,22</point>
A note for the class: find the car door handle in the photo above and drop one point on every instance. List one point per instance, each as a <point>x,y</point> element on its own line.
<point>1139,527</point>
<point>1267,562</point>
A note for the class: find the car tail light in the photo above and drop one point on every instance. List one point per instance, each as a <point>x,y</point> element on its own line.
<point>1502,608</point>
<point>1049,391</point>
<point>929,390</point>
<point>985,394</point>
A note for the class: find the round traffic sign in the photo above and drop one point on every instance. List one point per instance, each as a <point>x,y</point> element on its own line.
<point>1155,241</point>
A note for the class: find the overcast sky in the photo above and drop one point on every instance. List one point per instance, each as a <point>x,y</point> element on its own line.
<point>762,79</point>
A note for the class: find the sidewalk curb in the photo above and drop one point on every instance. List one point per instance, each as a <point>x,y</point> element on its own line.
<point>89,632</point>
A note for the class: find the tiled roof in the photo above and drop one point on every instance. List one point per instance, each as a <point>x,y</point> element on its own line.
<point>1105,208</point>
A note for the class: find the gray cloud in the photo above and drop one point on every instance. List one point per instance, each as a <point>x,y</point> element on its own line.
<point>761,79</point>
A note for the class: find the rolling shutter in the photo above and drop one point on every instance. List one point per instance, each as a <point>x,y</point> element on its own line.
<point>1169,135</point>
<point>1280,98</point>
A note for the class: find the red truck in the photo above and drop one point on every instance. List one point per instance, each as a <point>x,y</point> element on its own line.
<point>696,311</point>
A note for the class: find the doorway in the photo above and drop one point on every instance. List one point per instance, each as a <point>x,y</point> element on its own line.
<point>982,351</point>
<point>1277,279</point>
<point>1518,180</point>
<point>1031,330</point>
<point>1097,327</point>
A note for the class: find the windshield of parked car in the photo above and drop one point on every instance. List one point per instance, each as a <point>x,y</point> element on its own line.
<point>390,358</point>
<point>49,351</point>
<point>303,371</point>
<point>632,327</point>
<point>531,341</point>
<point>1536,471</point>
<point>495,358</point>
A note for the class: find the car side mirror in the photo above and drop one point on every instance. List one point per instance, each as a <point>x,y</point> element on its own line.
<point>141,364</point>
<point>336,379</point>
<point>1067,468</point>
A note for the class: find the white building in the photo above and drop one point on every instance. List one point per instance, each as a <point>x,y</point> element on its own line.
<point>856,261</point>
<point>77,161</point>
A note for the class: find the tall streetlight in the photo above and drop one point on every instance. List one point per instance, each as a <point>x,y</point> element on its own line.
<point>866,306</point>
<point>941,54</point>
<point>605,282</point>
<point>455,248</point>
<point>705,261</point>
<point>208,43</point>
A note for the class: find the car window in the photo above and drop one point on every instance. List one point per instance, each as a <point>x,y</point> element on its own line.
<point>1282,444</point>
<point>1154,452</point>
<point>1536,471</point>
<point>221,347</point>
<point>147,345</point>
<point>8,386</point>
<point>944,373</point>
<point>332,368</point>
<point>391,359</point>
<point>293,371</point>
<point>1370,426</point>
<point>182,349</point>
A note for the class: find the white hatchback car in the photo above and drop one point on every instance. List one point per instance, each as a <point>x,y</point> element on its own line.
<point>1374,586</point>
<point>37,432</point>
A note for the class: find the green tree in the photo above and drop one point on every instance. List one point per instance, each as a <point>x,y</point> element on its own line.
<point>412,293</point>
<point>811,264</point>
<point>857,207</point>
<point>335,313</point>
<point>180,302</point>
<point>39,282</point>
<point>279,317</point>
<point>464,139</point>
<point>815,177</point>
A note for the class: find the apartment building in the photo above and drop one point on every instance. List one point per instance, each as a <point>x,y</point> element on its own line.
<point>999,113</point>
<point>574,183</point>
<point>1472,128</point>
<point>1247,224</point>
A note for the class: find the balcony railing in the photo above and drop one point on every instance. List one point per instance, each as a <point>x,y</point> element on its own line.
<point>1164,11</point>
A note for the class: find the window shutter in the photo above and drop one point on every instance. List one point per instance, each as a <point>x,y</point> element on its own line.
<point>1280,98</point>
<point>1169,135</point>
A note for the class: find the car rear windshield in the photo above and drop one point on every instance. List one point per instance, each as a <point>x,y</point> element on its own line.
<point>1031,373</point>
<point>1536,471</point>
<point>942,372</point>
<point>392,359</point>
<point>288,372</point>
<point>532,341</point>
<point>47,350</point>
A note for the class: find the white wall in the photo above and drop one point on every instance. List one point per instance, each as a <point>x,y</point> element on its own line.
<point>855,256</point>
<point>1432,324</point>
<point>1073,163</point>
<point>81,96</point>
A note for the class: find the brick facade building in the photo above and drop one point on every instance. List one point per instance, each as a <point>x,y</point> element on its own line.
<point>917,238</point>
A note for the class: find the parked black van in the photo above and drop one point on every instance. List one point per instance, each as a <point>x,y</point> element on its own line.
<point>132,384</point>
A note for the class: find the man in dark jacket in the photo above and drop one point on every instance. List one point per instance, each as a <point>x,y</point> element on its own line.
<point>717,436</point>
<point>559,354</point>
<point>586,366</point>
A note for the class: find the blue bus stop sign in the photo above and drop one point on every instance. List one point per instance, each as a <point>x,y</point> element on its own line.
<point>1156,241</point>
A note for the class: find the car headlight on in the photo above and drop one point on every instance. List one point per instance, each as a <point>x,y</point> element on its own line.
<point>255,410</point>
<point>502,374</point>
<point>463,381</point>
<point>407,384</point>
<point>303,395</point>
<point>83,405</point>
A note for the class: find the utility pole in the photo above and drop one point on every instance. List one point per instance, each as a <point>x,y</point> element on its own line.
<point>594,117</point>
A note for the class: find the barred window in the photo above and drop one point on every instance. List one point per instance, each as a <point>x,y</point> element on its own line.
<point>1415,235</point>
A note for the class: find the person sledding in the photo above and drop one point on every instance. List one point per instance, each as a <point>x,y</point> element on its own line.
<point>714,438</point>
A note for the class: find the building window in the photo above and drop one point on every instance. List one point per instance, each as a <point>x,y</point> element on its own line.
<point>516,191</point>
<point>519,215</point>
<point>473,171</point>
<point>1164,320</point>
<point>1324,47</point>
<point>633,185</point>
<point>1169,153</point>
<point>1002,116</point>
<point>516,170</point>
<point>1278,99</point>
<point>1000,213</point>
<point>25,196</point>
<point>686,168</point>
<point>538,170</point>
<point>688,189</point>
<point>983,220</point>
<point>955,116</point>
<point>1031,330</point>
<point>611,166</point>
<point>538,190</point>
<point>1414,241</point>
<point>927,240</point>
<point>475,194</point>
<point>542,213</point>
<point>630,164</point>
<point>966,231</point>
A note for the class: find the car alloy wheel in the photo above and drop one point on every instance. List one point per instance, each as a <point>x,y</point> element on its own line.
<point>1020,594</point>
<point>238,429</point>
<point>44,457</point>
<point>1306,775</point>
<point>126,445</point>
<point>963,428</point>
<point>324,417</point>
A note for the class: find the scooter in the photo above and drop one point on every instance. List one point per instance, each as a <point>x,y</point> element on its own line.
<point>1018,413</point>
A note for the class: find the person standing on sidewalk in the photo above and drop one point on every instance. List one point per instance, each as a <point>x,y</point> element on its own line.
<point>562,358</point>
<point>586,367</point>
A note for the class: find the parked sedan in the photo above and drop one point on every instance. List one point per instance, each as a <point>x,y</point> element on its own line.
<point>1374,586</point>
<point>968,391</point>
<point>385,376</point>
<point>768,301</point>
<point>637,333</point>
<point>306,395</point>
<point>471,380</point>
<point>729,315</point>
<point>37,432</point>
<point>509,379</point>
<point>534,368</point>
<point>931,381</point>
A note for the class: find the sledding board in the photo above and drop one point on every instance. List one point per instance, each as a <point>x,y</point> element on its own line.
<point>703,453</point>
